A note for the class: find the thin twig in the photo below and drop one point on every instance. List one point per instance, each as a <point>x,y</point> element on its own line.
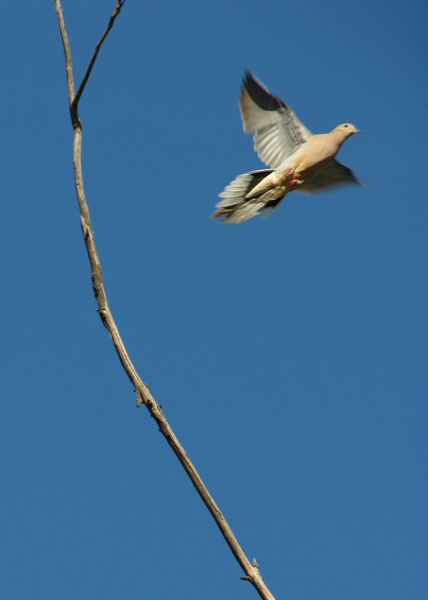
<point>144,396</point>
<point>74,104</point>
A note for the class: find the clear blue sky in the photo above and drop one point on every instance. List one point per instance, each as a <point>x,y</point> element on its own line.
<point>289,354</point>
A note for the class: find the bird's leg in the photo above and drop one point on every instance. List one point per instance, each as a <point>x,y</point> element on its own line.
<point>291,180</point>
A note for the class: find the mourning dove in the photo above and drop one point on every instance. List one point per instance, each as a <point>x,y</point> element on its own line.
<point>298,159</point>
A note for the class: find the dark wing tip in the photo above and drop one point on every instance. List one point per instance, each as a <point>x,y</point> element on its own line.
<point>259,94</point>
<point>351,176</point>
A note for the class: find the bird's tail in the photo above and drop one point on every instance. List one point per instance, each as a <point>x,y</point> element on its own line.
<point>236,207</point>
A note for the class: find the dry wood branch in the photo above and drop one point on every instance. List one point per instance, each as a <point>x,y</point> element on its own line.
<point>74,104</point>
<point>144,396</point>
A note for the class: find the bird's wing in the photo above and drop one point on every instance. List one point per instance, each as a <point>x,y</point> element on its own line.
<point>332,175</point>
<point>278,132</point>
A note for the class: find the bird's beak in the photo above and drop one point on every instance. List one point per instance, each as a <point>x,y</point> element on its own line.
<point>358,131</point>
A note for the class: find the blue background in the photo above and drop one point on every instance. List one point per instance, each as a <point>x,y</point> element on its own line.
<point>289,354</point>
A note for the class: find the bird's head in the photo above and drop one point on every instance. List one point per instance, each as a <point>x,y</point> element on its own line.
<point>346,129</point>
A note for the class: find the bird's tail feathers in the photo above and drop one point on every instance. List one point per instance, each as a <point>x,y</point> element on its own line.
<point>236,207</point>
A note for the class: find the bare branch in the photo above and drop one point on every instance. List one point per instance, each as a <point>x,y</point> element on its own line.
<point>74,104</point>
<point>66,45</point>
<point>144,396</point>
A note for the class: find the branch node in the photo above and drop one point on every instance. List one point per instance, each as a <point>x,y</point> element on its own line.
<point>103,314</point>
<point>139,398</point>
<point>256,567</point>
<point>85,227</point>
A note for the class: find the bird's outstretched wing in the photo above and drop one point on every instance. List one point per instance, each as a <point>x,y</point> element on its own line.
<point>332,175</point>
<point>278,132</point>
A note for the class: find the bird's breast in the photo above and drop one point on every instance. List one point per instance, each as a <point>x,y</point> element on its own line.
<point>311,158</point>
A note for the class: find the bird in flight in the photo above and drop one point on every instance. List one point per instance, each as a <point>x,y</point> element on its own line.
<point>298,159</point>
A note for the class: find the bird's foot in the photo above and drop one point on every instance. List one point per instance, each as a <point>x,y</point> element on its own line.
<point>291,181</point>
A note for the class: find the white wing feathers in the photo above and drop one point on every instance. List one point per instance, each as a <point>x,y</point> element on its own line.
<point>278,132</point>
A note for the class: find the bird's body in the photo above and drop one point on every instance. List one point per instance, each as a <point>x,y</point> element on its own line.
<point>300,160</point>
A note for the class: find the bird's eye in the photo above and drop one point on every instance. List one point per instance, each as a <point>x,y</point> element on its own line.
<point>345,126</point>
